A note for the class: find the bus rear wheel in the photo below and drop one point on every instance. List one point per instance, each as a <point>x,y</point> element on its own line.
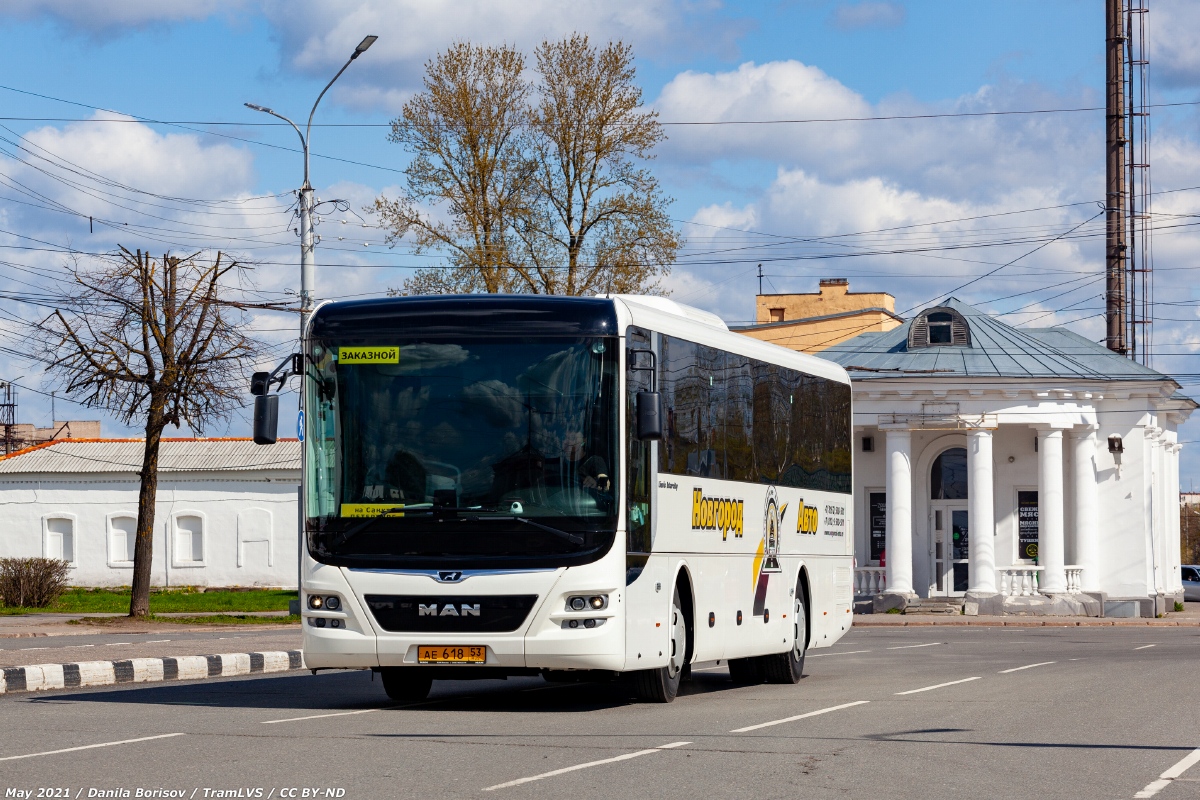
<point>406,684</point>
<point>789,667</point>
<point>662,685</point>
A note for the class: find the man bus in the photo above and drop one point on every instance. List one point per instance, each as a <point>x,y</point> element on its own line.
<point>572,487</point>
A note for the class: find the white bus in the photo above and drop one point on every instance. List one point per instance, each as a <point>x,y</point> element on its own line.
<point>571,487</point>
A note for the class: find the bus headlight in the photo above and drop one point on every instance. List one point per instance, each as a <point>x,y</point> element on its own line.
<point>595,602</point>
<point>316,601</point>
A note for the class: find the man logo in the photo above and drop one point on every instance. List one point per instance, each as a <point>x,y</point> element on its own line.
<point>446,576</point>
<point>448,610</point>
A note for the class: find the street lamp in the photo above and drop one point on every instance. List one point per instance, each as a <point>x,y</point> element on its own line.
<point>308,266</point>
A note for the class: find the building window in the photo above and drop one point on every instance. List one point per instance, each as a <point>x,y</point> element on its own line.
<point>122,536</point>
<point>60,539</point>
<point>776,315</point>
<point>939,327</point>
<point>948,478</point>
<point>189,539</point>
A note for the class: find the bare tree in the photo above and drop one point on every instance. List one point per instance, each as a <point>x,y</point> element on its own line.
<point>599,221</point>
<point>466,131</point>
<point>539,186</point>
<point>151,341</point>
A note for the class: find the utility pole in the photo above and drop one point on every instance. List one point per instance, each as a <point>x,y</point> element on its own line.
<point>760,277</point>
<point>1115,195</point>
<point>308,262</point>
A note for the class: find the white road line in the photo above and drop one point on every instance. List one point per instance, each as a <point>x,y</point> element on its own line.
<point>798,716</point>
<point>149,641</point>
<point>612,760</point>
<point>847,653</point>
<point>34,648</point>
<point>114,644</point>
<point>910,646</point>
<point>320,716</point>
<point>1171,774</point>
<point>940,685</point>
<point>1027,666</point>
<point>1143,647</point>
<point>91,746</point>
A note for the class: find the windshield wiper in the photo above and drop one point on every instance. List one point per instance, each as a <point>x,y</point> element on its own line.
<point>573,538</point>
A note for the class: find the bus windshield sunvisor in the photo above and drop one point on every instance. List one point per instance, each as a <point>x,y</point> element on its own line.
<point>462,449</point>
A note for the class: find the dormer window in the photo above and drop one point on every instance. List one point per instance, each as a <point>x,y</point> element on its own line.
<point>939,327</point>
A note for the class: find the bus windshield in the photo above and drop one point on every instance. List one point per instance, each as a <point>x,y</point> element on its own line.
<point>460,451</point>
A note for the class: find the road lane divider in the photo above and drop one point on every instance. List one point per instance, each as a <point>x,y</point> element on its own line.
<point>40,677</point>
<point>940,685</point>
<point>564,770</point>
<point>749,728</point>
<point>1143,647</point>
<point>320,716</point>
<point>1172,774</point>
<point>93,746</point>
<point>826,655</point>
<point>911,646</point>
<point>1027,666</point>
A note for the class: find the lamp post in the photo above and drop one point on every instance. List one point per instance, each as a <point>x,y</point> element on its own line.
<point>308,266</point>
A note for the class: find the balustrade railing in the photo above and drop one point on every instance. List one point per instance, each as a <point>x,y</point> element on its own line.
<point>1074,579</point>
<point>1020,580</point>
<point>870,580</point>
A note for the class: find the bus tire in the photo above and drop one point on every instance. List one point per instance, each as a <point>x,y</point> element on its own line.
<point>745,671</point>
<point>789,667</point>
<point>406,684</point>
<point>662,685</point>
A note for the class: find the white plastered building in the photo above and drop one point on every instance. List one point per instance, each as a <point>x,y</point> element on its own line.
<point>992,461</point>
<point>226,511</point>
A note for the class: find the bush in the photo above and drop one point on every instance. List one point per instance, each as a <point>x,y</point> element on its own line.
<point>1178,606</point>
<point>32,582</point>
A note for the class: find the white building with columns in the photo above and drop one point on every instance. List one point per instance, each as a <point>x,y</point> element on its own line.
<point>1020,468</point>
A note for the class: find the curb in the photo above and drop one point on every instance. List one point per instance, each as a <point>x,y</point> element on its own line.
<point>40,677</point>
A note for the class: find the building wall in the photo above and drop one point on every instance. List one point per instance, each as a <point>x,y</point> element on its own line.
<point>248,528</point>
<point>834,297</point>
<point>814,335</point>
<point>1137,511</point>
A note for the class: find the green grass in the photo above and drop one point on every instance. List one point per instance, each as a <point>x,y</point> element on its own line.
<point>116,601</point>
<point>212,619</point>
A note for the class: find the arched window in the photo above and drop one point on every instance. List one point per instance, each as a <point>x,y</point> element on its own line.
<point>948,478</point>
<point>939,327</point>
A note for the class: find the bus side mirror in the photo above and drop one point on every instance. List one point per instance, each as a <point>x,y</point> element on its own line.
<point>260,383</point>
<point>266,418</point>
<point>649,416</point>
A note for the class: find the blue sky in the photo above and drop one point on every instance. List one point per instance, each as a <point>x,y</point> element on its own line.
<point>698,60</point>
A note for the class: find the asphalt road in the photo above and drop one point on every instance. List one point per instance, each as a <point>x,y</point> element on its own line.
<point>911,713</point>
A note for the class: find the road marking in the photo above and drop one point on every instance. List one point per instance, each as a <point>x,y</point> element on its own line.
<point>847,653</point>
<point>1171,774</point>
<point>34,648</point>
<point>1143,647</point>
<point>148,641</point>
<point>91,746</point>
<point>940,685</point>
<point>114,644</point>
<point>612,760</point>
<point>910,646</point>
<point>320,716</point>
<point>1027,666</point>
<point>798,716</point>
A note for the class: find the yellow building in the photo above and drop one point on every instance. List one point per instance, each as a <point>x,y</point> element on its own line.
<point>812,322</point>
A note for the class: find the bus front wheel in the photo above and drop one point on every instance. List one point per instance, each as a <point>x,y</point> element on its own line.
<point>662,685</point>
<point>406,684</point>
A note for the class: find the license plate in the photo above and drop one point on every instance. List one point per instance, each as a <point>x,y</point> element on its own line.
<point>460,654</point>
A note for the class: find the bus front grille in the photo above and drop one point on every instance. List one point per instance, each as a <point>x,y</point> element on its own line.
<point>465,614</point>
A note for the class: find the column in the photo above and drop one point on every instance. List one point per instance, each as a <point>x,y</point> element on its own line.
<point>1050,511</point>
<point>1176,541</point>
<point>899,511</point>
<point>1087,512</point>
<point>981,513</point>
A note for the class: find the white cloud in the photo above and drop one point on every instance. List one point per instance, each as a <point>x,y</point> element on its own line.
<point>1174,30</point>
<point>852,16</point>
